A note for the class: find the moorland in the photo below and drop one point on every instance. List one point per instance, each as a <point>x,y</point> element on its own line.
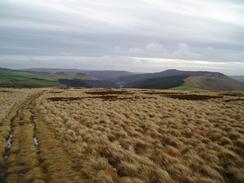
<point>121,135</point>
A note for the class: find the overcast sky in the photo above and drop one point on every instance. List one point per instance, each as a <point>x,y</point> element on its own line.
<point>133,35</point>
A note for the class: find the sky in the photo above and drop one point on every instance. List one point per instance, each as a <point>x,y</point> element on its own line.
<point>132,35</point>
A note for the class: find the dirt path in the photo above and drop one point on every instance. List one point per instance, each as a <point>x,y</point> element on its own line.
<point>32,154</point>
<point>22,160</point>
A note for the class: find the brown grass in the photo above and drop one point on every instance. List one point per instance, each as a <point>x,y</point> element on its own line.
<point>153,138</point>
<point>138,136</point>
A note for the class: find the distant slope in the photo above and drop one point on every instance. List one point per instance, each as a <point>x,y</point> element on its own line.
<point>88,83</point>
<point>107,75</point>
<point>211,82</point>
<point>5,69</point>
<point>9,78</point>
<point>158,83</point>
<point>57,73</point>
<point>238,78</point>
<point>45,77</point>
<point>50,70</point>
<point>98,75</point>
<point>166,73</point>
<point>199,79</point>
<point>42,77</point>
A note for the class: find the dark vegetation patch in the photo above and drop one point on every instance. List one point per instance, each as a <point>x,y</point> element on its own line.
<point>185,96</point>
<point>163,93</point>
<point>158,83</point>
<point>234,99</point>
<point>56,99</point>
<point>55,92</point>
<point>104,97</point>
<point>233,94</point>
<point>87,83</point>
<point>192,96</point>
<point>6,91</point>
<point>112,92</point>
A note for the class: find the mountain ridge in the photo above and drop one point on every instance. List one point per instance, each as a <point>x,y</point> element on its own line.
<point>116,79</point>
<point>200,79</point>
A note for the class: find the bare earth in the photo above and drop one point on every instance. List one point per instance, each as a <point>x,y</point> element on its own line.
<point>121,136</point>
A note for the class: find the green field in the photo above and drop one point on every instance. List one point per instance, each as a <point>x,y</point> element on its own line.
<point>22,79</point>
<point>185,87</point>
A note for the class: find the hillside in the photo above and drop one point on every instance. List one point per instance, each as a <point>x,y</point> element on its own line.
<point>211,82</point>
<point>238,78</point>
<point>9,78</point>
<point>173,78</point>
<point>45,77</point>
<point>87,83</point>
<point>107,75</point>
<point>95,74</point>
<point>158,83</point>
<point>33,78</point>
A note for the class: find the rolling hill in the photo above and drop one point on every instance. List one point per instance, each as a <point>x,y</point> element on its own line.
<point>115,79</point>
<point>90,74</point>
<point>88,83</point>
<point>45,77</point>
<point>22,78</point>
<point>12,78</point>
<point>174,78</point>
<point>107,75</point>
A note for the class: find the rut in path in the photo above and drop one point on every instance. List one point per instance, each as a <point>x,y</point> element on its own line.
<point>23,163</point>
<point>35,155</point>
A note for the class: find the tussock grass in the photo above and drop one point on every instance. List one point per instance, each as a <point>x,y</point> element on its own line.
<point>148,136</point>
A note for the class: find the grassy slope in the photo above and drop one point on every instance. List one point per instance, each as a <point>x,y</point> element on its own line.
<point>10,78</point>
<point>19,79</point>
<point>186,87</point>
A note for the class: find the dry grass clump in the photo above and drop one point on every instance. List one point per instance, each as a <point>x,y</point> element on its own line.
<point>149,138</point>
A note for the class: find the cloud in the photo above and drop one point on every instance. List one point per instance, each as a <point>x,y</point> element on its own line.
<point>133,64</point>
<point>176,29</point>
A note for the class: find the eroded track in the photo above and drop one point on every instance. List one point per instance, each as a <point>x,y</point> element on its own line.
<point>22,161</point>
<point>28,160</point>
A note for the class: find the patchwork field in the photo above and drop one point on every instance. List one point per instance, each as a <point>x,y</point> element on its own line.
<point>121,136</point>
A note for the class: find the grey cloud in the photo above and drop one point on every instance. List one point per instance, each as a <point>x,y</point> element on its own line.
<point>178,29</point>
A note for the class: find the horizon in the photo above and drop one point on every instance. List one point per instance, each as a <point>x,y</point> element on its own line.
<point>137,36</point>
<point>87,70</point>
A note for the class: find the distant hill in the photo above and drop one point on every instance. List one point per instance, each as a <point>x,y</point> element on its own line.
<point>50,70</point>
<point>238,78</point>
<point>107,75</point>
<point>5,69</point>
<point>88,83</point>
<point>39,78</point>
<point>173,78</point>
<point>10,78</point>
<point>98,75</point>
<point>158,83</point>
<point>166,73</point>
<point>213,82</point>
<point>45,77</point>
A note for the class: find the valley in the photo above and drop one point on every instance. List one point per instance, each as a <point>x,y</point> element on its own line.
<point>168,79</point>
